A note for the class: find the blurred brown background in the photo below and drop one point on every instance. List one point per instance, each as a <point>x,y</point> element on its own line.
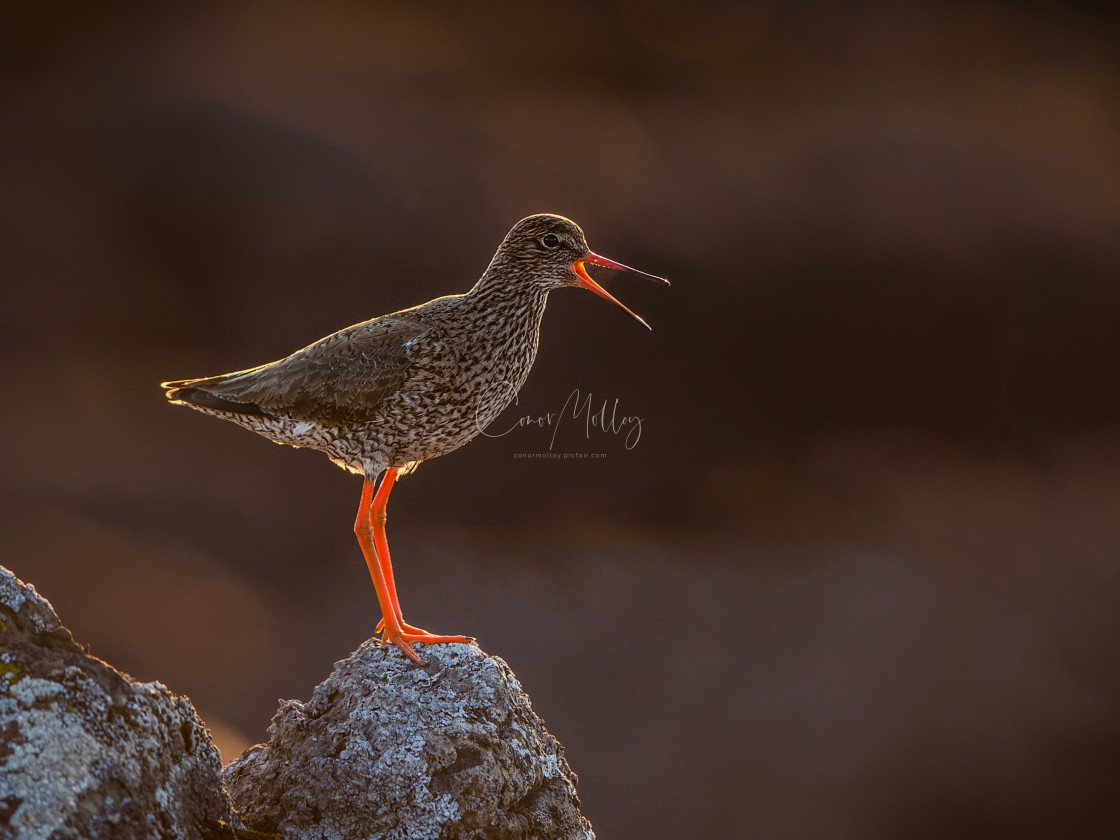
<point>860,576</point>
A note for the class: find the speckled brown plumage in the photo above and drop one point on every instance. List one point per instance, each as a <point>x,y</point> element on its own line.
<point>386,394</point>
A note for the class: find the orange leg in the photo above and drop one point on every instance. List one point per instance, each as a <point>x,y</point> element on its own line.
<point>370,530</point>
<point>378,515</point>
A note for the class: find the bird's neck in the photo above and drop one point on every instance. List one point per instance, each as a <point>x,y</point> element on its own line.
<point>508,298</point>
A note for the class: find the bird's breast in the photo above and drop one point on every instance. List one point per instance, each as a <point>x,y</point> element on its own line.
<point>457,388</point>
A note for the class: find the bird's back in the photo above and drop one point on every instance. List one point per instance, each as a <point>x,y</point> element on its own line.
<point>393,390</point>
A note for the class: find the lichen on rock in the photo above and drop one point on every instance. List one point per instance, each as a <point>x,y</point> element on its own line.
<point>390,750</point>
<point>86,751</point>
<point>383,749</point>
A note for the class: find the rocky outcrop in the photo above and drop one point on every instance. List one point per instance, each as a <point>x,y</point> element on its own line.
<point>86,752</point>
<point>383,749</point>
<point>389,750</point>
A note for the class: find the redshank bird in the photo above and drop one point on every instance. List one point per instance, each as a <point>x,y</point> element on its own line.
<point>383,395</point>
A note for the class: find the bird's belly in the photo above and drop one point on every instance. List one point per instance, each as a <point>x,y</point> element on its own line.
<point>434,416</point>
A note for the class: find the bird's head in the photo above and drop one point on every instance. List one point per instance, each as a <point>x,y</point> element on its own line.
<point>552,251</point>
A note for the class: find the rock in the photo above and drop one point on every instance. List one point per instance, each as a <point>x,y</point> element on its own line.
<point>384,749</point>
<point>86,751</point>
<point>390,750</point>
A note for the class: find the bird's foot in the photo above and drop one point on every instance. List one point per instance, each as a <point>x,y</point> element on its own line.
<point>405,626</point>
<point>404,636</point>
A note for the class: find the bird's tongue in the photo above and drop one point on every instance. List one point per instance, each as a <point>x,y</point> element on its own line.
<point>584,279</point>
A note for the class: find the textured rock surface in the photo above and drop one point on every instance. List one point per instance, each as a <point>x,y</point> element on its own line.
<point>389,750</point>
<point>87,752</point>
<point>383,749</point>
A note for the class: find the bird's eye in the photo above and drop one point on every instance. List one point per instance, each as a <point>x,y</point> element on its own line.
<point>550,240</point>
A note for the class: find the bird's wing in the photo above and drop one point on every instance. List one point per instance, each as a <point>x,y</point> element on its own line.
<point>338,380</point>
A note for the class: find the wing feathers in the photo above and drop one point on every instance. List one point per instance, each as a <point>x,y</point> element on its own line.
<point>340,379</point>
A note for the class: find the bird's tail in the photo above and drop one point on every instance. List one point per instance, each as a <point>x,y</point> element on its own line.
<point>198,393</point>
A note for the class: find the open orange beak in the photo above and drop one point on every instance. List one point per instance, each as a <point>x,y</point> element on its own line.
<point>584,280</point>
